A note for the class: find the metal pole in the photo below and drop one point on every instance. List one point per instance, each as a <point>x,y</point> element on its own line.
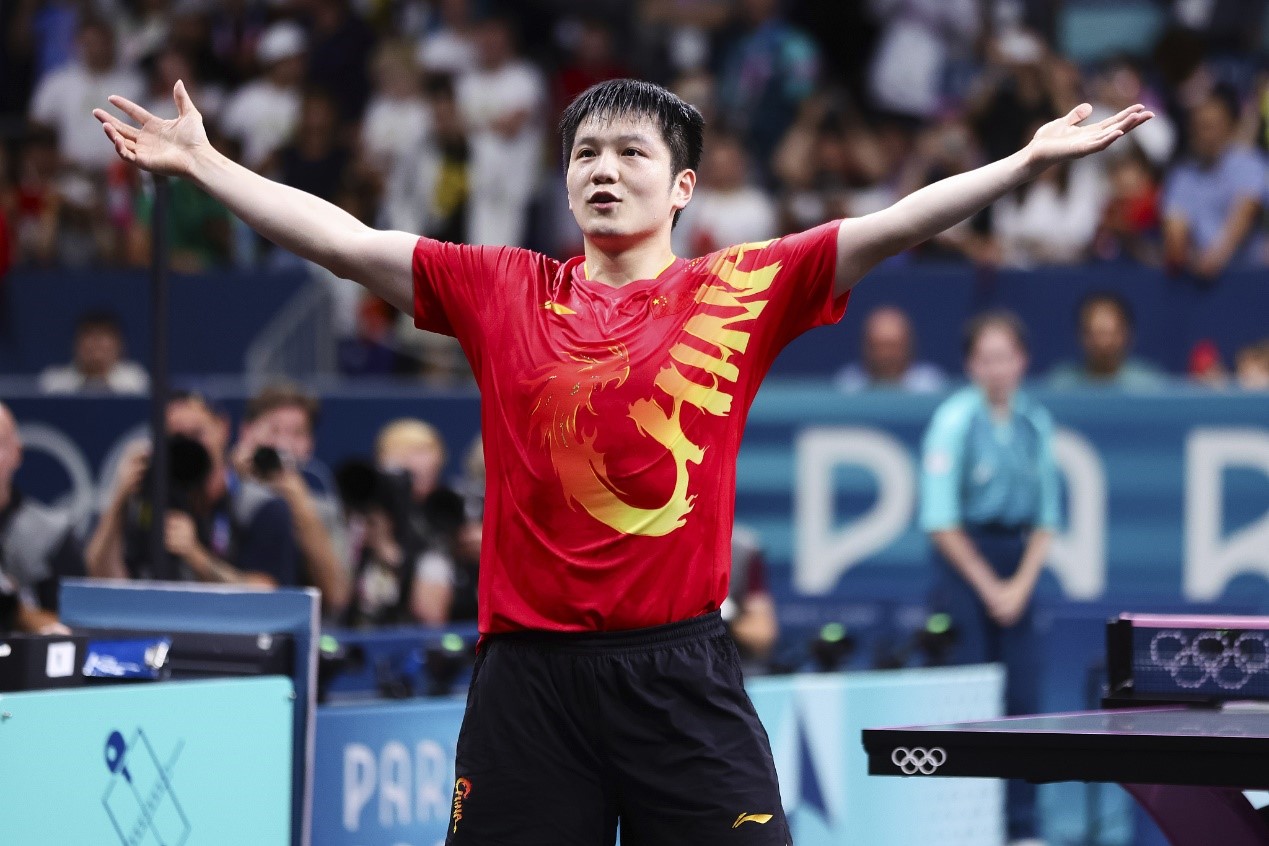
<point>162,567</point>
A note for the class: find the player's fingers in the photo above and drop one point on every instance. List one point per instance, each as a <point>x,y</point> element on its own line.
<point>131,109</point>
<point>1119,118</point>
<point>123,147</point>
<point>1079,113</point>
<point>125,129</point>
<point>184,105</point>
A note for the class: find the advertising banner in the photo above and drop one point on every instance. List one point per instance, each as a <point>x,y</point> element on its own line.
<point>176,763</point>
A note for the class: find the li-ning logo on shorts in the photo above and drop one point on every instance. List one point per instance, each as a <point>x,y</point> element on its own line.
<point>1229,659</point>
<point>462,789</point>
<point>760,819</point>
<point>918,760</point>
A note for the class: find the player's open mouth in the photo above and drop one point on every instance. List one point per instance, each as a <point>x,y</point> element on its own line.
<point>603,200</point>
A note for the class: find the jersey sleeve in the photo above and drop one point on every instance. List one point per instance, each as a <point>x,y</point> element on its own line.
<point>803,294</point>
<point>465,291</point>
<point>942,460</point>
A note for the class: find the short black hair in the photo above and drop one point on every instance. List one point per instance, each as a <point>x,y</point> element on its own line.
<point>1105,298</point>
<point>99,319</point>
<point>995,319</point>
<point>681,124</point>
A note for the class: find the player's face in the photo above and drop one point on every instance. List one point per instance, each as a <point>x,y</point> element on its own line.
<point>286,429</point>
<point>621,188</point>
<point>997,363</point>
<point>1105,338</point>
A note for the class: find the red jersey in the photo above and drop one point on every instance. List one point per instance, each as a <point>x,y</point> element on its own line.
<point>612,418</point>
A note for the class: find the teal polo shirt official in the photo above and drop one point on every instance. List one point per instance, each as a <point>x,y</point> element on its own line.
<point>977,470</point>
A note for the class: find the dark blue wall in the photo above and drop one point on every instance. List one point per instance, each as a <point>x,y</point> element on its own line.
<point>214,318</point>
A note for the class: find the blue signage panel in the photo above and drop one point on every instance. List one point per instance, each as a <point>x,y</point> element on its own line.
<point>384,773</point>
<point>172,763</point>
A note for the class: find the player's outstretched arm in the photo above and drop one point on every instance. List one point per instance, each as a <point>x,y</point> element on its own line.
<point>301,223</point>
<point>863,242</point>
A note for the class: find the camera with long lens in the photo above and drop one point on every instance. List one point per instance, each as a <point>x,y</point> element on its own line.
<point>189,466</point>
<point>363,487</point>
<point>267,462</point>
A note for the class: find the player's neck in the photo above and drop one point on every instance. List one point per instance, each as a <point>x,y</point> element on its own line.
<point>621,266</point>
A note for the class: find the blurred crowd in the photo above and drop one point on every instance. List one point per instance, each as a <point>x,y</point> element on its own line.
<point>437,117</point>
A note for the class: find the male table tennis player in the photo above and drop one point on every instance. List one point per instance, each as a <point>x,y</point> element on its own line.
<point>614,390</point>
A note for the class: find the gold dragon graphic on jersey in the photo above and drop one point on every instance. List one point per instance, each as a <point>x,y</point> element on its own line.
<point>565,390</point>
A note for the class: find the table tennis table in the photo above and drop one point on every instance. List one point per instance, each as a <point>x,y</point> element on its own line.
<point>1176,736</point>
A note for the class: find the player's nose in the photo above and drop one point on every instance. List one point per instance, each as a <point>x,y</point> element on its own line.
<point>605,171</point>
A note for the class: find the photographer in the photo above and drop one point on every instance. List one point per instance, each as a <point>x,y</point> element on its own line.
<point>444,582</point>
<point>407,527</point>
<point>222,529</point>
<point>275,447</point>
<point>37,546</point>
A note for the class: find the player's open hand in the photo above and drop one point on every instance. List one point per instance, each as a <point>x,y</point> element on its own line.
<point>160,146</point>
<point>1064,139</point>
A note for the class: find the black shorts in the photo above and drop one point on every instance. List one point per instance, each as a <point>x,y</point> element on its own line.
<point>565,734</point>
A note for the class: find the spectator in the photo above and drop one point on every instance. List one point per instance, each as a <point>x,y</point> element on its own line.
<point>36,201</point>
<point>428,189</point>
<point>917,40</point>
<point>945,149</point>
<point>1129,226</point>
<point>887,358</point>
<point>989,502</point>
<point>372,350</point>
<point>262,115</point>
<point>727,208</point>
<point>1011,94</point>
<point>683,33</point>
<point>1212,200</point>
<point>340,47</point>
<point>1119,85</point>
<point>234,28</point>
<point>283,418</point>
<point>1252,367</point>
<point>99,364</point>
<point>398,119</point>
<point>1053,218</point>
<point>501,102</point>
<point>767,74</point>
<point>450,48</point>
<point>591,61</point>
<point>1106,332</point>
<point>59,100</point>
<point>749,610</point>
<point>199,228</point>
<point>1205,365</point>
<point>38,546</point>
<point>170,65</point>
<point>444,585</point>
<point>316,161</point>
<point>143,31</point>
<point>811,163</point>
<point>216,531</point>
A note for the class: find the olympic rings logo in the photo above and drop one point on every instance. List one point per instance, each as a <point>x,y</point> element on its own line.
<point>1230,659</point>
<point>918,760</point>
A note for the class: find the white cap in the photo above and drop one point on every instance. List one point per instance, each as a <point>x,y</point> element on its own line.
<point>282,40</point>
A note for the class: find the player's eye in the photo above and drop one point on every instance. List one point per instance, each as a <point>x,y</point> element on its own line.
<point>585,153</point>
<point>632,151</point>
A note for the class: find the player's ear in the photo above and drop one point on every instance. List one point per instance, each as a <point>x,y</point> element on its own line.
<point>684,186</point>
